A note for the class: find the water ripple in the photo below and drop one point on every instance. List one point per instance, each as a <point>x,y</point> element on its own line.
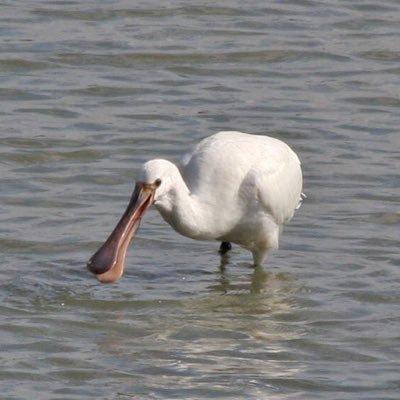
<point>89,91</point>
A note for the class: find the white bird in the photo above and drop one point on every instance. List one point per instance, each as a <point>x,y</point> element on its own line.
<point>233,187</point>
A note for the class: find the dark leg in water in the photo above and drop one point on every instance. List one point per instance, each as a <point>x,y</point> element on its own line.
<point>224,248</point>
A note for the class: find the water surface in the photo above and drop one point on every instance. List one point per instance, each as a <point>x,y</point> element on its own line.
<point>89,91</point>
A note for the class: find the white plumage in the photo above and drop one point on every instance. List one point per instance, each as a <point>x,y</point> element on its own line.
<point>233,187</point>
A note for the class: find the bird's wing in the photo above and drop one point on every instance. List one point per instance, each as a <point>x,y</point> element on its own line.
<point>250,165</point>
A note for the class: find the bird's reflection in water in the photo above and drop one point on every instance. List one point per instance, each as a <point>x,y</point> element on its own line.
<point>245,300</point>
<point>258,280</point>
<point>234,327</point>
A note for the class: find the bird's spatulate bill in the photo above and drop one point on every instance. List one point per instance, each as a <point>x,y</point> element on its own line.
<point>108,261</point>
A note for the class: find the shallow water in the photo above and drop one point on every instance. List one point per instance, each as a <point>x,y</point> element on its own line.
<point>91,90</point>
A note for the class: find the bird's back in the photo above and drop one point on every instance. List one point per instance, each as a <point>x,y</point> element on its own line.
<point>230,164</point>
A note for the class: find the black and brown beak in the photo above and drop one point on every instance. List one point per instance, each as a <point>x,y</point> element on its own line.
<point>108,261</point>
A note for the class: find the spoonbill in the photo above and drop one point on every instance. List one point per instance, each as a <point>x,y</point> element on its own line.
<point>233,187</point>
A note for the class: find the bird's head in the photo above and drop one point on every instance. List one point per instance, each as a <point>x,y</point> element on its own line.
<point>161,173</point>
<point>152,185</point>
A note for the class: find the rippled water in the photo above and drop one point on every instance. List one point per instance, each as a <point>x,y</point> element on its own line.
<point>89,90</point>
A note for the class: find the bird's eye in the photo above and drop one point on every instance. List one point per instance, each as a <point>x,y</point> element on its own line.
<point>157,182</point>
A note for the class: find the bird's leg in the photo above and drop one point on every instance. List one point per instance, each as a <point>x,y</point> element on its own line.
<point>224,248</point>
<point>259,256</point>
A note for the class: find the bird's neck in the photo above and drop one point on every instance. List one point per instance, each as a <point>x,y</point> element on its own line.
<point>183,210</point>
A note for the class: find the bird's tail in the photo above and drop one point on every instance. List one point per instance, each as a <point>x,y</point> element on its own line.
<point>302,197</point>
